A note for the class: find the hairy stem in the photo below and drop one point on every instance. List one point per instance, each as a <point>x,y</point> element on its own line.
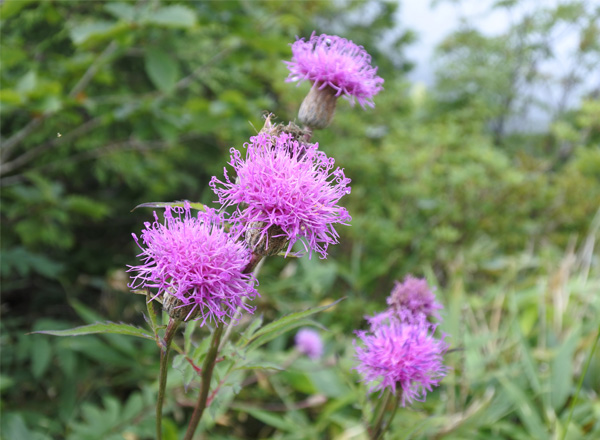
<point>376,427</point>
<point>162,376</point>
<point>207,371</point>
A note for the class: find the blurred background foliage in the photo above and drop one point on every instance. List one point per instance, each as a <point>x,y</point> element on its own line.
<point>106,105</point>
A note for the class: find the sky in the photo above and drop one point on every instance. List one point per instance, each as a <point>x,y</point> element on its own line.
<point>433,22</point>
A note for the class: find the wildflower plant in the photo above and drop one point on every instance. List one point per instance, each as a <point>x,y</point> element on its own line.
<point>399,355</point>
<point>200,263</point>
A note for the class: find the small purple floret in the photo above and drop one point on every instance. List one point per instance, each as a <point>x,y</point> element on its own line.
<point>195,260</point>
<point>332,61</point>
<point>404,357</point>
<point>287,184</point>
<point>413,298</point>
<point>309,342</point>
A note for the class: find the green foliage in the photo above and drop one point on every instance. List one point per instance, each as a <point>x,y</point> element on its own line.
<point>107,106</point>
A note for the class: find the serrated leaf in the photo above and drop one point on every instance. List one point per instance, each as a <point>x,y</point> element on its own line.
<point>278,331</point>
<point>173,16</point>
<point>275,328</point>
<point>197,206</point>
<point>162,70</point>
<point>107,327</point>
<point>259,365</point>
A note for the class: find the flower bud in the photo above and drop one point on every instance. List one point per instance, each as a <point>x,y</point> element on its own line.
<point>318,108</point>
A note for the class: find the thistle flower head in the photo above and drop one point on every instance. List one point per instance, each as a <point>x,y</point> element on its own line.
<point>332,61</point>
<point>404,357</point>
<point>194,261</point>
<point>285,189</point>
<point>413,298</point>
<point>309,342</point>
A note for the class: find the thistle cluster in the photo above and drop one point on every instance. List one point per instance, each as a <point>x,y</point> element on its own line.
<point>284,190</point>
<point>400,351</point>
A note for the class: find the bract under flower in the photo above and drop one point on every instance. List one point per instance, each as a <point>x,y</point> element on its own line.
<point>194,260</point>
<point>286,186</point>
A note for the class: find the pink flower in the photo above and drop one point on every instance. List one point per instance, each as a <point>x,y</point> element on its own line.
<point>286,187</point>
<point>194,260</point>
<point>332,61</point>
<point>404,357</point>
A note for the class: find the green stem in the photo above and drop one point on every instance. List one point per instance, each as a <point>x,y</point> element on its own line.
<point>394,411</point>
<point>583,373</point>
<point>207,370</point>
<point>162,375</point>
<point>379,414</point>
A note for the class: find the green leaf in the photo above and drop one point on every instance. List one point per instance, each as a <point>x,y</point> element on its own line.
<point>12,7</point>
<point>525,407</point>
<point>276,328</point>
<point>562,371</point>
<point>258,365</point>
<point>27,83</point>
<point>197,206</point>
<point>41,353</point>
<point>271,419</point>
<point>162,70</point>
<point>120,10</point>
<point>107,327</point>
<point>85,31</point>
<point>151,312</point>
<point>173,16</point>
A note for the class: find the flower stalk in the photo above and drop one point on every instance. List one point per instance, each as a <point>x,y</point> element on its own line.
<point>163,369</point>
<point>207,371</point>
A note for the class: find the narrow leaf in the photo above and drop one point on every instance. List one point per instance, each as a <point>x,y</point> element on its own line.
<point>107,327</point>
<point>289,319</point>
<point>525,408</point>
<point>197,206</point>
<point>562,371</point>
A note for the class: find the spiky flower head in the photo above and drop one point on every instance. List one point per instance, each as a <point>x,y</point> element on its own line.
<point>285,191</point>
<point>404,357</point>
<point>194,265</point>
<point>413,298</point>
<point>309,342</point>
<point>329,61</point>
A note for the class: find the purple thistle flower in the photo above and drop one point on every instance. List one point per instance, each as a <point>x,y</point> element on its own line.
<point>332,61</point>
<point>402,356</point>
<point>285,189</point>
<point>413,298</point>
<point>193,260</point>
<point>309,342</point>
